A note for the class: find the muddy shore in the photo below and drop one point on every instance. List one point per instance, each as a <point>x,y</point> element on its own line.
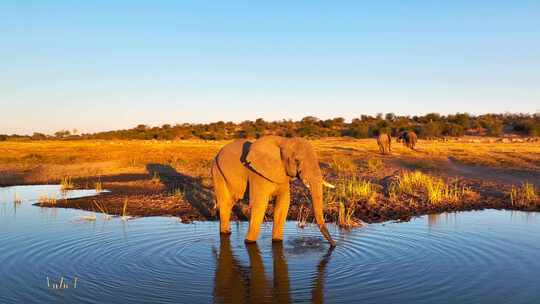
<point>190,199</point>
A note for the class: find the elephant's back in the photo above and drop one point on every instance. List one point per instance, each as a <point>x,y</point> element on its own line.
<point>229,162</point>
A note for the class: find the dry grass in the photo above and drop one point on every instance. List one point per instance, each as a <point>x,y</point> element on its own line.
<point>124,215</point>
<point>435,189</point>
<point>302,216</point>
<point>35,162</point>
<point>346,218</point>
<point>103,209</point>
<point>66,183</point>
<point>50,161</point>
<point>353,189</point>
<point>99,187</point>
<point>343,164</point>
<point>156,180</point>
<point>524,195</point>
<point>349,192</point>
<point>179,193</point>
<point>491,154</point>
<point>374,164</point>
<point>47,200</point>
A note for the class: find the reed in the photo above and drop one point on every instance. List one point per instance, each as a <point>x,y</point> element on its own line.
<point>346,217</point>
<point>99,187</point>
<point>435,189</point>
<point>66,183</point>
<point>302,216</point>
<point>47,200</point>
<point>523,195</point>
<point>156,179</point>
<point>178,193</point>
<point>124,216</point>
<point>353,189</point>
<point>103,209</point>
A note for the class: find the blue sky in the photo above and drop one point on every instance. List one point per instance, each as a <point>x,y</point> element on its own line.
<point>99,65</point>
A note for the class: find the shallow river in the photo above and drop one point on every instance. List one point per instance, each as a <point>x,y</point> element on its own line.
<point>472,257</point>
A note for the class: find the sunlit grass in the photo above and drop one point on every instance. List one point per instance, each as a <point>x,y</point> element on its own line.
<point>66,183</point>
<point>156,180</point>
<point>346,218</point>
<point>374,164</point>
<point>35,162</point>
<point>302,216</point>
<point>103,209</point>
<point>523,195</point>
<point>435,189</point>
<point>124,215</point>
<point>179,193</point>
<point>47,200</point>
<point>348,193</point>
<point>99,187</point>
<point>343,164</point>
<point>352,189</point>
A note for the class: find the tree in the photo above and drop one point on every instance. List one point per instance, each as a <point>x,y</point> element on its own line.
<point>390,116</point>
<point>38,136</point>
<point>62,133</point>
<point>493,126</point>
<point>455,130</point>
<point>430,129</point>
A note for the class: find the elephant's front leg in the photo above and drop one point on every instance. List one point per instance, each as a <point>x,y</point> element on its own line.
<point>281,210</point>
<point>258,201</point>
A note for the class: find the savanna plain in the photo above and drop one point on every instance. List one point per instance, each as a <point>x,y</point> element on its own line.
<point>157,178</point>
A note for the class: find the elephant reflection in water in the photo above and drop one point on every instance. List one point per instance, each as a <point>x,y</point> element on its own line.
<point>236,283</point>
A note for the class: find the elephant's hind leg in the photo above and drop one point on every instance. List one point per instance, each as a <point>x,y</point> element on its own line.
<point>225,202</point>
<point>281,210</point>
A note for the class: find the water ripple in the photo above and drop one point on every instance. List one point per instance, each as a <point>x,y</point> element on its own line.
<point>480,257</point>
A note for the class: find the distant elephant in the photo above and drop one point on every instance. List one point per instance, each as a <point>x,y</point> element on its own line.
<point>409,138</point>
<point>265,167</point>
<point>385,143</point>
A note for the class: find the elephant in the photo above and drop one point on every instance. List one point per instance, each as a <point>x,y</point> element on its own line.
<point>385,143</point>
<point>409,138</point>
<point>263,169</point>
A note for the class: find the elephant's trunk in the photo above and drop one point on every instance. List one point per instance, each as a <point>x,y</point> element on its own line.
<point>317,202</point>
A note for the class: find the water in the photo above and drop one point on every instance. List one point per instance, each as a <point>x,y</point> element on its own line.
<point>474,257</point>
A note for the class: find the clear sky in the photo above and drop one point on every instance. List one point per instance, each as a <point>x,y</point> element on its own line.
<point>100,65</point>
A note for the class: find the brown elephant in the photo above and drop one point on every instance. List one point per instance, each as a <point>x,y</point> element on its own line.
<point>385,143</point>
<point>409,138</point>
<point>264,169</point>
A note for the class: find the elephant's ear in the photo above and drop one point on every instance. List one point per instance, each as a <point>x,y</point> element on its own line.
<point>288,156</point>
<point>265,158</point>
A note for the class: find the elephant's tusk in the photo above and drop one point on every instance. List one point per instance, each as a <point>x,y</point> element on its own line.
<point>327,184</point>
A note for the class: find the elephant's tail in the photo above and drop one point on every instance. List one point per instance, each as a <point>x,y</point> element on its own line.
<point>220,184</point>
